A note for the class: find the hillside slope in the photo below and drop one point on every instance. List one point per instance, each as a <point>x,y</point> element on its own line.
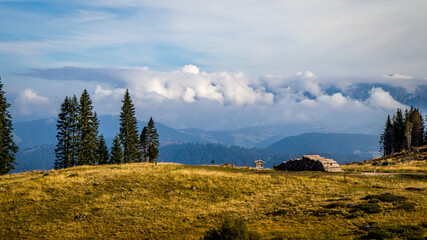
<point>404,161</point>
<point>170,201</point>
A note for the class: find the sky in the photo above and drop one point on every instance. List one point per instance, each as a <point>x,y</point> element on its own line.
<point>214,64</point>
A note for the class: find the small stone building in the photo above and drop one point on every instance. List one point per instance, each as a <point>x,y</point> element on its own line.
<point>259,164</point>
<point>310,163</point>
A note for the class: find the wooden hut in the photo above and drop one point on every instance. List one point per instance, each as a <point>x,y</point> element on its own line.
<point>310,163</point>
<point>259,164</point>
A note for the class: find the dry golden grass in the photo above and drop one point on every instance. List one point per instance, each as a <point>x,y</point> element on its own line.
<point>171,201</point>
<point>411,162</point>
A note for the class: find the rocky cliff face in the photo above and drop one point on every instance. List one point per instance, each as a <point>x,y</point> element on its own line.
<point>310,163</point>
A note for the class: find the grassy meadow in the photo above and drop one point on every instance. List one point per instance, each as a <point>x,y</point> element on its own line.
<point>172,201</point>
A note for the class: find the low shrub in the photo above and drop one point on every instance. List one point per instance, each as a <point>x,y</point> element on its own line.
<point>379,234</point>
<point>402,232</point>
<point>368,207</point>
<point>414,189</point>
<point>407,206</point>
<point>386,197</point>
<point>232,230</point>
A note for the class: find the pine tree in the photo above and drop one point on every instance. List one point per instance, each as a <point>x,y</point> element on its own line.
<point>129,131</point>
<point>144,144</point>
<point>87,129</point>
<point>399,131</point>
<point>66,148</point>
<point>153,142</point>
<point>387,138</point>
<point>417,124</point>
<point>116,151</point>
<point>8,148</point>
<point>102,151</point>
<point>73,123</point>
<point>62,150</point>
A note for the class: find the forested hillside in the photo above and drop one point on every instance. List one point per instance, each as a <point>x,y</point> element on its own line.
<point>358,146</point>
<point>203,154</point>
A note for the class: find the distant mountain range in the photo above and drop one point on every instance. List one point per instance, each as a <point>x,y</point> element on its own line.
<point>43,131</point>
<point>274,144</point>
<point>346,146</point>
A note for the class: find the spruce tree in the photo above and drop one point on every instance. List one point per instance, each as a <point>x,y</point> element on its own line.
<point>387,138</point>
<point>116,151</point>
<point>417,124</point>
<point>73,123</point>
<point>129,131</point>
<point>399,127</point>
<point>144,144</point>
<point>8,148</point>
<point>66,148</point>
<point>63,147</point>
<point>153,142</point>
<point>87,129</point>
<point>102,154</point>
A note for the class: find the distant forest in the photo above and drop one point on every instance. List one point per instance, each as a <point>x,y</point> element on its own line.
<point>403,131</point>
<point>204,154</point>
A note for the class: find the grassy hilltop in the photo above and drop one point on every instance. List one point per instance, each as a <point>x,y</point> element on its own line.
<point>171,201</point>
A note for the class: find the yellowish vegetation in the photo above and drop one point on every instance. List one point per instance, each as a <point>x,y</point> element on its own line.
<point>413,161</point>
<point>171,201</point>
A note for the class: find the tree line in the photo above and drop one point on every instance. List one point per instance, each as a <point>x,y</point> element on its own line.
<point>403,131</point>
<point>79,141</point>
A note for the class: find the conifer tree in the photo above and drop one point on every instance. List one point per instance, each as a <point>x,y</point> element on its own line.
<point>8,148</point>
<point>102,151</point>
<point>387,138</point>
<point>153,142</point>
<point>63,147</point>
<point>116,151</point>
<point>416,121</point>
<point>144,144</point>
<point>129,131</point>
<point>66,148</point>
<point>87,129</point>
<point>73,123</point>
<point>399,131</point>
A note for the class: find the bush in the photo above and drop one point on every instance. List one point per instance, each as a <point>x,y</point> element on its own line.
<point>369,207</point>
<point>401,232</point>
<point>379,234</point>
<point>232,230</point>
<point>407,206</point>
<point>386,197</point>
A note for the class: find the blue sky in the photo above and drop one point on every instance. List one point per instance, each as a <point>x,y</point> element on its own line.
<point>240,58</point>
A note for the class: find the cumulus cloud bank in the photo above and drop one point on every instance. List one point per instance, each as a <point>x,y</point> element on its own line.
<point>189,97</point>
<point>382,99</point>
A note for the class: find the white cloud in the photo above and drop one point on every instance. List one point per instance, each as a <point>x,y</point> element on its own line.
<point>29,95</point>
<point>382,99</point>
<point>397,76</point>
<point>30,102</point>
<point>190,97</point>
<point>191,69</point>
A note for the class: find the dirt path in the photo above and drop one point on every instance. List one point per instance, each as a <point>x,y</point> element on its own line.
<point>377,173</point>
